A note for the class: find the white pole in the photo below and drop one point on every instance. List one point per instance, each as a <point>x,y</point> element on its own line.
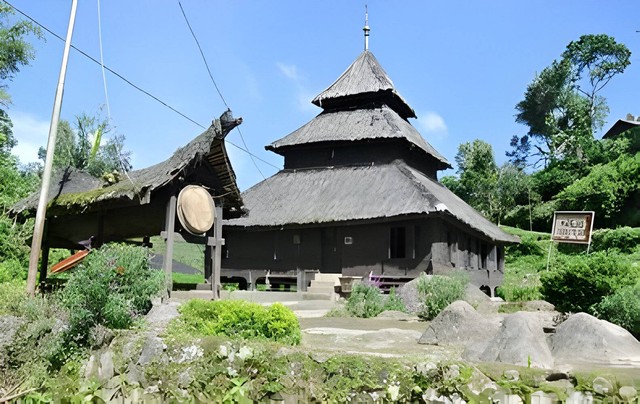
<point>36,243</point>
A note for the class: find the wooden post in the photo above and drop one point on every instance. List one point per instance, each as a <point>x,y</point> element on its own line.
<point>44,263</point>
<point>209,254</point>
<point>217,256</point>
<point>169,226</point>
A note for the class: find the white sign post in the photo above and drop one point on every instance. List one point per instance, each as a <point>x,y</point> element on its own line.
<point>571,227</point>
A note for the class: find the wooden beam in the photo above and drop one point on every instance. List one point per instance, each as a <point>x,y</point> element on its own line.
<point>170,223</point>
<point>219,241</point>
<point>189,238</point>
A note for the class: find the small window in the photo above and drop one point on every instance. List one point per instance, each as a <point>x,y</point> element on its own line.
<point>397,242</point>
<point>296,239</point>
<point>348,240</point>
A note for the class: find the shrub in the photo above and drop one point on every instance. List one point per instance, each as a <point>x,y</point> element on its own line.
<point>621,308</point>
<point>240,319</point>
<point>529,246</point>
<point>580,281</point>
<point>111,287</point>
<point>365,301</point>
<point>437,292</point>
<point>624,239</point>
<point>394,302</point>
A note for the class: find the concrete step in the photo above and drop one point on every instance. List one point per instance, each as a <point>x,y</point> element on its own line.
<point>317,296</point>
<point>333,278</point>
<point>321,289</point>
<point>184,295</point>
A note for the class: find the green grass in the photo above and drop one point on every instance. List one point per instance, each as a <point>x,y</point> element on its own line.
<point>538,235</point>
<point>188,254</point>
<point>187,278</point>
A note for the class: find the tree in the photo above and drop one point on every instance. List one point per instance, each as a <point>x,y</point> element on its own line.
<point>80,147</point>
<point>562,106</point>
<point>490,189</point>
<point>14,50</point>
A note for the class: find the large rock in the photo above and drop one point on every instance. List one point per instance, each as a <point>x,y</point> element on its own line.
<point>583,338</point>
<point>409,295</point>
<point>520,341</point>
<point>411,298</point>
<point>460,324</point>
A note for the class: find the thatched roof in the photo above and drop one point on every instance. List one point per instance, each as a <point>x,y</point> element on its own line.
<point>356,125</point>
<point>620,126</point>
<point>325,195</point>
<point>76,191</point>
<point>365,80</point>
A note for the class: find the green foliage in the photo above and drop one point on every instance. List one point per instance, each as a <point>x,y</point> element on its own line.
<point>112,287</point>
<point>14,249</point>
<point>437,292</point>
<point>14,50</point>
<point>490,189</point>
<point>394,302</point>
<point>621,308</point>
<point>605,189</point>
<point>561,106</point>
<point>74,147</point>
<point>239,319</point>
<point>577,282</point>
<point>624,239</point>
<point>365,301</point>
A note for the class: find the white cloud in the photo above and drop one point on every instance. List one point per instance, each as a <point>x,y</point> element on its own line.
<point>289,71</point>
<point>433,123</point>
<point>31,133</point>
<point>303,95</point>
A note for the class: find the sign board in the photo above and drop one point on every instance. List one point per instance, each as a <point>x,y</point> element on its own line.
<point>572,227</point>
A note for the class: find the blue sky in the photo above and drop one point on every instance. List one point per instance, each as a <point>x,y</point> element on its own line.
<point>462,66</point>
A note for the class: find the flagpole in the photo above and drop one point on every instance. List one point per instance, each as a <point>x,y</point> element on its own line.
<point>41,213</point>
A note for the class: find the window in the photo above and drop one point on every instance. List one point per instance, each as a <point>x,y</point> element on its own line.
<point>397,242</point>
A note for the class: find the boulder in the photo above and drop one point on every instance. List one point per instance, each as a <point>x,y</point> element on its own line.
<point>460,324</point>
<point>583,338</point>
<point>520,341</point>
<point>409,295</point>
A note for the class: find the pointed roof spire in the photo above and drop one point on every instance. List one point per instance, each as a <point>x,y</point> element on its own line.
<point>366,28</point>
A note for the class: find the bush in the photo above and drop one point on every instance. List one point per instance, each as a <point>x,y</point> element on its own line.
<point>365,301</point>
<point>580,281</point>
<point>624,239</point>
<point>437,292</point>
<point>111,287</point>
<point>240,319</point>
<point>622,308</point>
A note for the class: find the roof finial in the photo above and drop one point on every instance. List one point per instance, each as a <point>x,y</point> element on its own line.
<point>366,28</point>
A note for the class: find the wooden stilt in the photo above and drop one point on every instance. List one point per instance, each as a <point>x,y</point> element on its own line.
<point>219,242</point>
<point>170,223</point>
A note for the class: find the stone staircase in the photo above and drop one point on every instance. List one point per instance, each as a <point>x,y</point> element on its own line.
<point>323,287</point>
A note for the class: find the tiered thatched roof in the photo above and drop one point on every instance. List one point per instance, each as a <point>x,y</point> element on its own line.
<point>326,195</point>
<point>363,81</point>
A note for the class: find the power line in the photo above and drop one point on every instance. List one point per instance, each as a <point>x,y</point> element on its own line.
<point>218,90</point>
<point>132,84</point>
<point>107,68</point>
<point>202,54</point>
